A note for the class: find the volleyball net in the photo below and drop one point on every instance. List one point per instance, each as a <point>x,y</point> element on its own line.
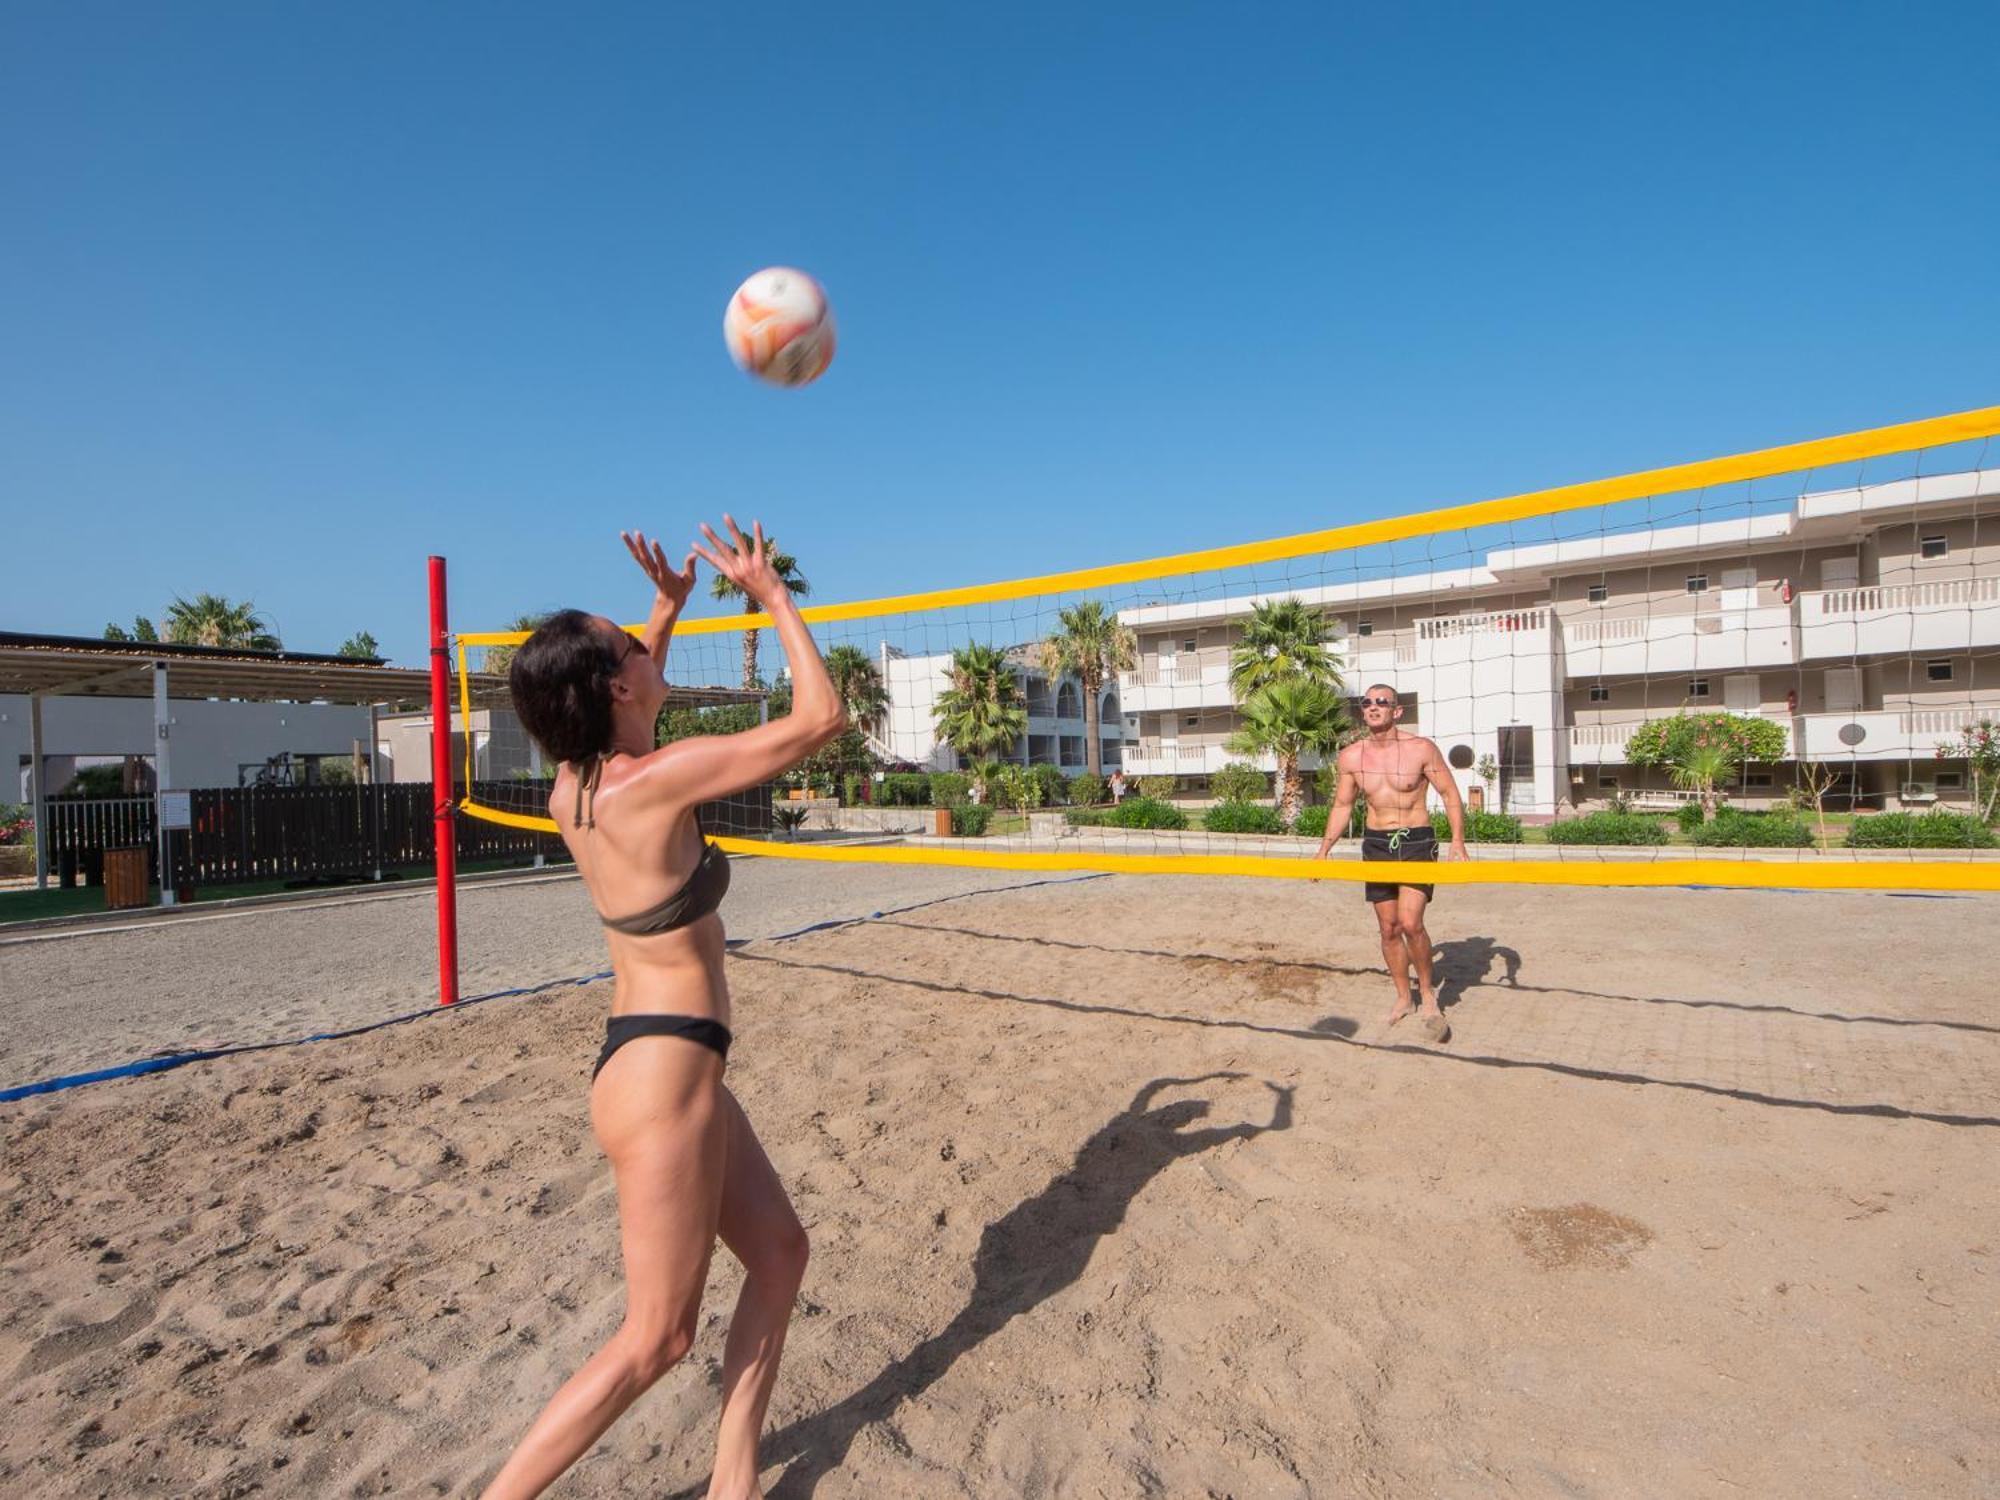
<point>1771,669</point>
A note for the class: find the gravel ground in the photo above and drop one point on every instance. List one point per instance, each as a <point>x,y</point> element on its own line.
<point>80,999</point>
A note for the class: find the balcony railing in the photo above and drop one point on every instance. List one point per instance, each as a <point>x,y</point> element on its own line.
<point>1902,598</point>
<point>1491,622</point>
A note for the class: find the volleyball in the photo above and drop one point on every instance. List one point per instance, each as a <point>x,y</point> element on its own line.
<point>779,328</point>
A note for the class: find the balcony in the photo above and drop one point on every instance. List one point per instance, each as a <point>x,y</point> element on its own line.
<point>1950,615</point>
<point>1884,734</point>
<point>1192,681</point>
<point>1158,758</point>
<point>1733,641</point>
<point>1483,636</point>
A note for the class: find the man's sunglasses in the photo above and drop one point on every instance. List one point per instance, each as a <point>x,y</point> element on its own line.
<point>1378,702</point>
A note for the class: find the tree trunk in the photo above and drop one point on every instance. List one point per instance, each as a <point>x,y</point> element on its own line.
<point>1291,795</point>
<point>1093,745</point>
<point>749,648</point>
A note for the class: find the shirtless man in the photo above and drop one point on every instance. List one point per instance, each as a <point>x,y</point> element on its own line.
<point>1390,770</point>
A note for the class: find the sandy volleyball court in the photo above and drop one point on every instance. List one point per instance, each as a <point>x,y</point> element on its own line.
<point>1116,1188</point>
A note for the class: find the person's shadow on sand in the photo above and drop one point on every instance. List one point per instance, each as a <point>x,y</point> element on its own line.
<point>1463,963</point>
<point>1039,1247</point>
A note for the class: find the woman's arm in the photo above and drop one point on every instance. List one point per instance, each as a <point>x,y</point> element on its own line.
<point>704,767</point>
<point>670,591</point>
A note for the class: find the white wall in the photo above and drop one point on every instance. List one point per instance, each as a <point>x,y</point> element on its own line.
<point>210,739</point>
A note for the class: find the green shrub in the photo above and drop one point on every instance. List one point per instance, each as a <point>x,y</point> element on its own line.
<point>969,820</point>
<point>1608,828</point>
<point>1055,785</point>
<point>1690,817</point>
<point>1239,781</point>
<point>1481,827</point>
<point>904,789</point>
<point>1936,829</point>
<point>950,789</point>
<point>853,789</point>
<point>1146,812</point>
<point>1733,829</point>
<point>1158,788</point>
<point>1087,817</point>
<point>1311,822</point>
<point>1086,790</point>
<point>1242,817</point>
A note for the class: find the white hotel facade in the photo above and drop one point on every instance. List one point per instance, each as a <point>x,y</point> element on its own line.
<point>1863,621</point>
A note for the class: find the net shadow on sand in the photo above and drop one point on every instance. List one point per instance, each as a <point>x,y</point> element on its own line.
<point>1613,1043</point>
<point>1463,964</point>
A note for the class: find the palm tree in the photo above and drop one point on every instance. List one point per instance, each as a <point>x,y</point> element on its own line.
<point>1290,717</point>
<point>859,684</point>
<point>787,568</point>
<point>498,658</point>
<point>1283,638</point>
<point>1701,767</point>
<point>211,620</point>
<point>980,713</point>
<point>1089,643</point>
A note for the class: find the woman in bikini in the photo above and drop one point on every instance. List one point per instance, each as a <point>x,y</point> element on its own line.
<point>687,1164</point>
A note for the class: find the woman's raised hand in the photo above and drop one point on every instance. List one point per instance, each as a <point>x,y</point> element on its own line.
<point>674,587</point>
<point>745,563</point>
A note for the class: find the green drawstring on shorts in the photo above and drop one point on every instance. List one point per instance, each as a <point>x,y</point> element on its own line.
<point>1396,839</point>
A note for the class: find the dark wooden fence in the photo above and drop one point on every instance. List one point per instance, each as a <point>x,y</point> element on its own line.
<point>311,833</point>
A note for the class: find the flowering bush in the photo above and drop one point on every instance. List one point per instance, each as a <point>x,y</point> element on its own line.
<point>17,824</point>
<point>1978,745</point>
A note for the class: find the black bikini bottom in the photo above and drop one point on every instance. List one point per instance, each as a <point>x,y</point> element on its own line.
<point>621,1029</point>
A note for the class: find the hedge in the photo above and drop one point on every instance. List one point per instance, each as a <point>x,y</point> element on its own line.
<point>1733,829</point>
<point>1936,829</point>
<point>1242,817</point>
<point>969,820</point>
<point>1608,828</point>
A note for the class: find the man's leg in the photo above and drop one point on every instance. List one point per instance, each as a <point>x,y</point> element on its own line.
<point>1396,954</point>
<point>1410,907</point>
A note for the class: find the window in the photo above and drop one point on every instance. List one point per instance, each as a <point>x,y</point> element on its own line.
<point>1698,687</point>
<point>1191,721</point>
<point>1697,583</point>
<point>1364,627</point>
<point>1934,546</point>
<point>1598,593</point>
<point>1599,693</point>
<point>1757,779</point>
<point>1938,669</point>
<point>1949,781</point>
<point>1187,645</point>
<point>1607,783</point>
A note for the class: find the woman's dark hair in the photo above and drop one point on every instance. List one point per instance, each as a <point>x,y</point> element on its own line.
<point>561,682</point>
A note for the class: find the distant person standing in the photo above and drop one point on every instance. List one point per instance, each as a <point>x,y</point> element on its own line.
<point>1117,787</point>
<point>1391,771</point>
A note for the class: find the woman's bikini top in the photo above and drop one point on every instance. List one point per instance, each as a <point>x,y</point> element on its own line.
<point>700,894</point>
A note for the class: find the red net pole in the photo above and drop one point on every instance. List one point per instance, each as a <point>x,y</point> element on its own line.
<point>441,793</point>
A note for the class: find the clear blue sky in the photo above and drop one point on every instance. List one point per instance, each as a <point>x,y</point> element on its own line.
<point>292,295</point>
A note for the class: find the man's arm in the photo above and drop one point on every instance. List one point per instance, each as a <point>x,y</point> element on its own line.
<point>1342,809</point>
<point>1439,775</point>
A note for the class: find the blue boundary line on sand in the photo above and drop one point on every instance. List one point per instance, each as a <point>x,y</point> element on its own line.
<point>147,1065</point>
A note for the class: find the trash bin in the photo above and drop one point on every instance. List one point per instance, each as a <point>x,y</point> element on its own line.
<point>943,823</point>
<point>125,877</point>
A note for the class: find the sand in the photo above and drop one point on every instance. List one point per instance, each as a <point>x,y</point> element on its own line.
<point>1116,1188</point>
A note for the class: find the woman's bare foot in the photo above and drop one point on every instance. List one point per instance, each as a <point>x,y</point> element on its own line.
<point>1402,1009</point>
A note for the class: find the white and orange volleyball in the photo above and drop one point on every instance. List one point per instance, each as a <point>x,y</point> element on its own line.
<point>779,327</point>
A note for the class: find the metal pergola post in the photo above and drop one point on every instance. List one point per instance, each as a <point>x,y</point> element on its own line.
<point>38,780</point>
<point>162,779</point>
